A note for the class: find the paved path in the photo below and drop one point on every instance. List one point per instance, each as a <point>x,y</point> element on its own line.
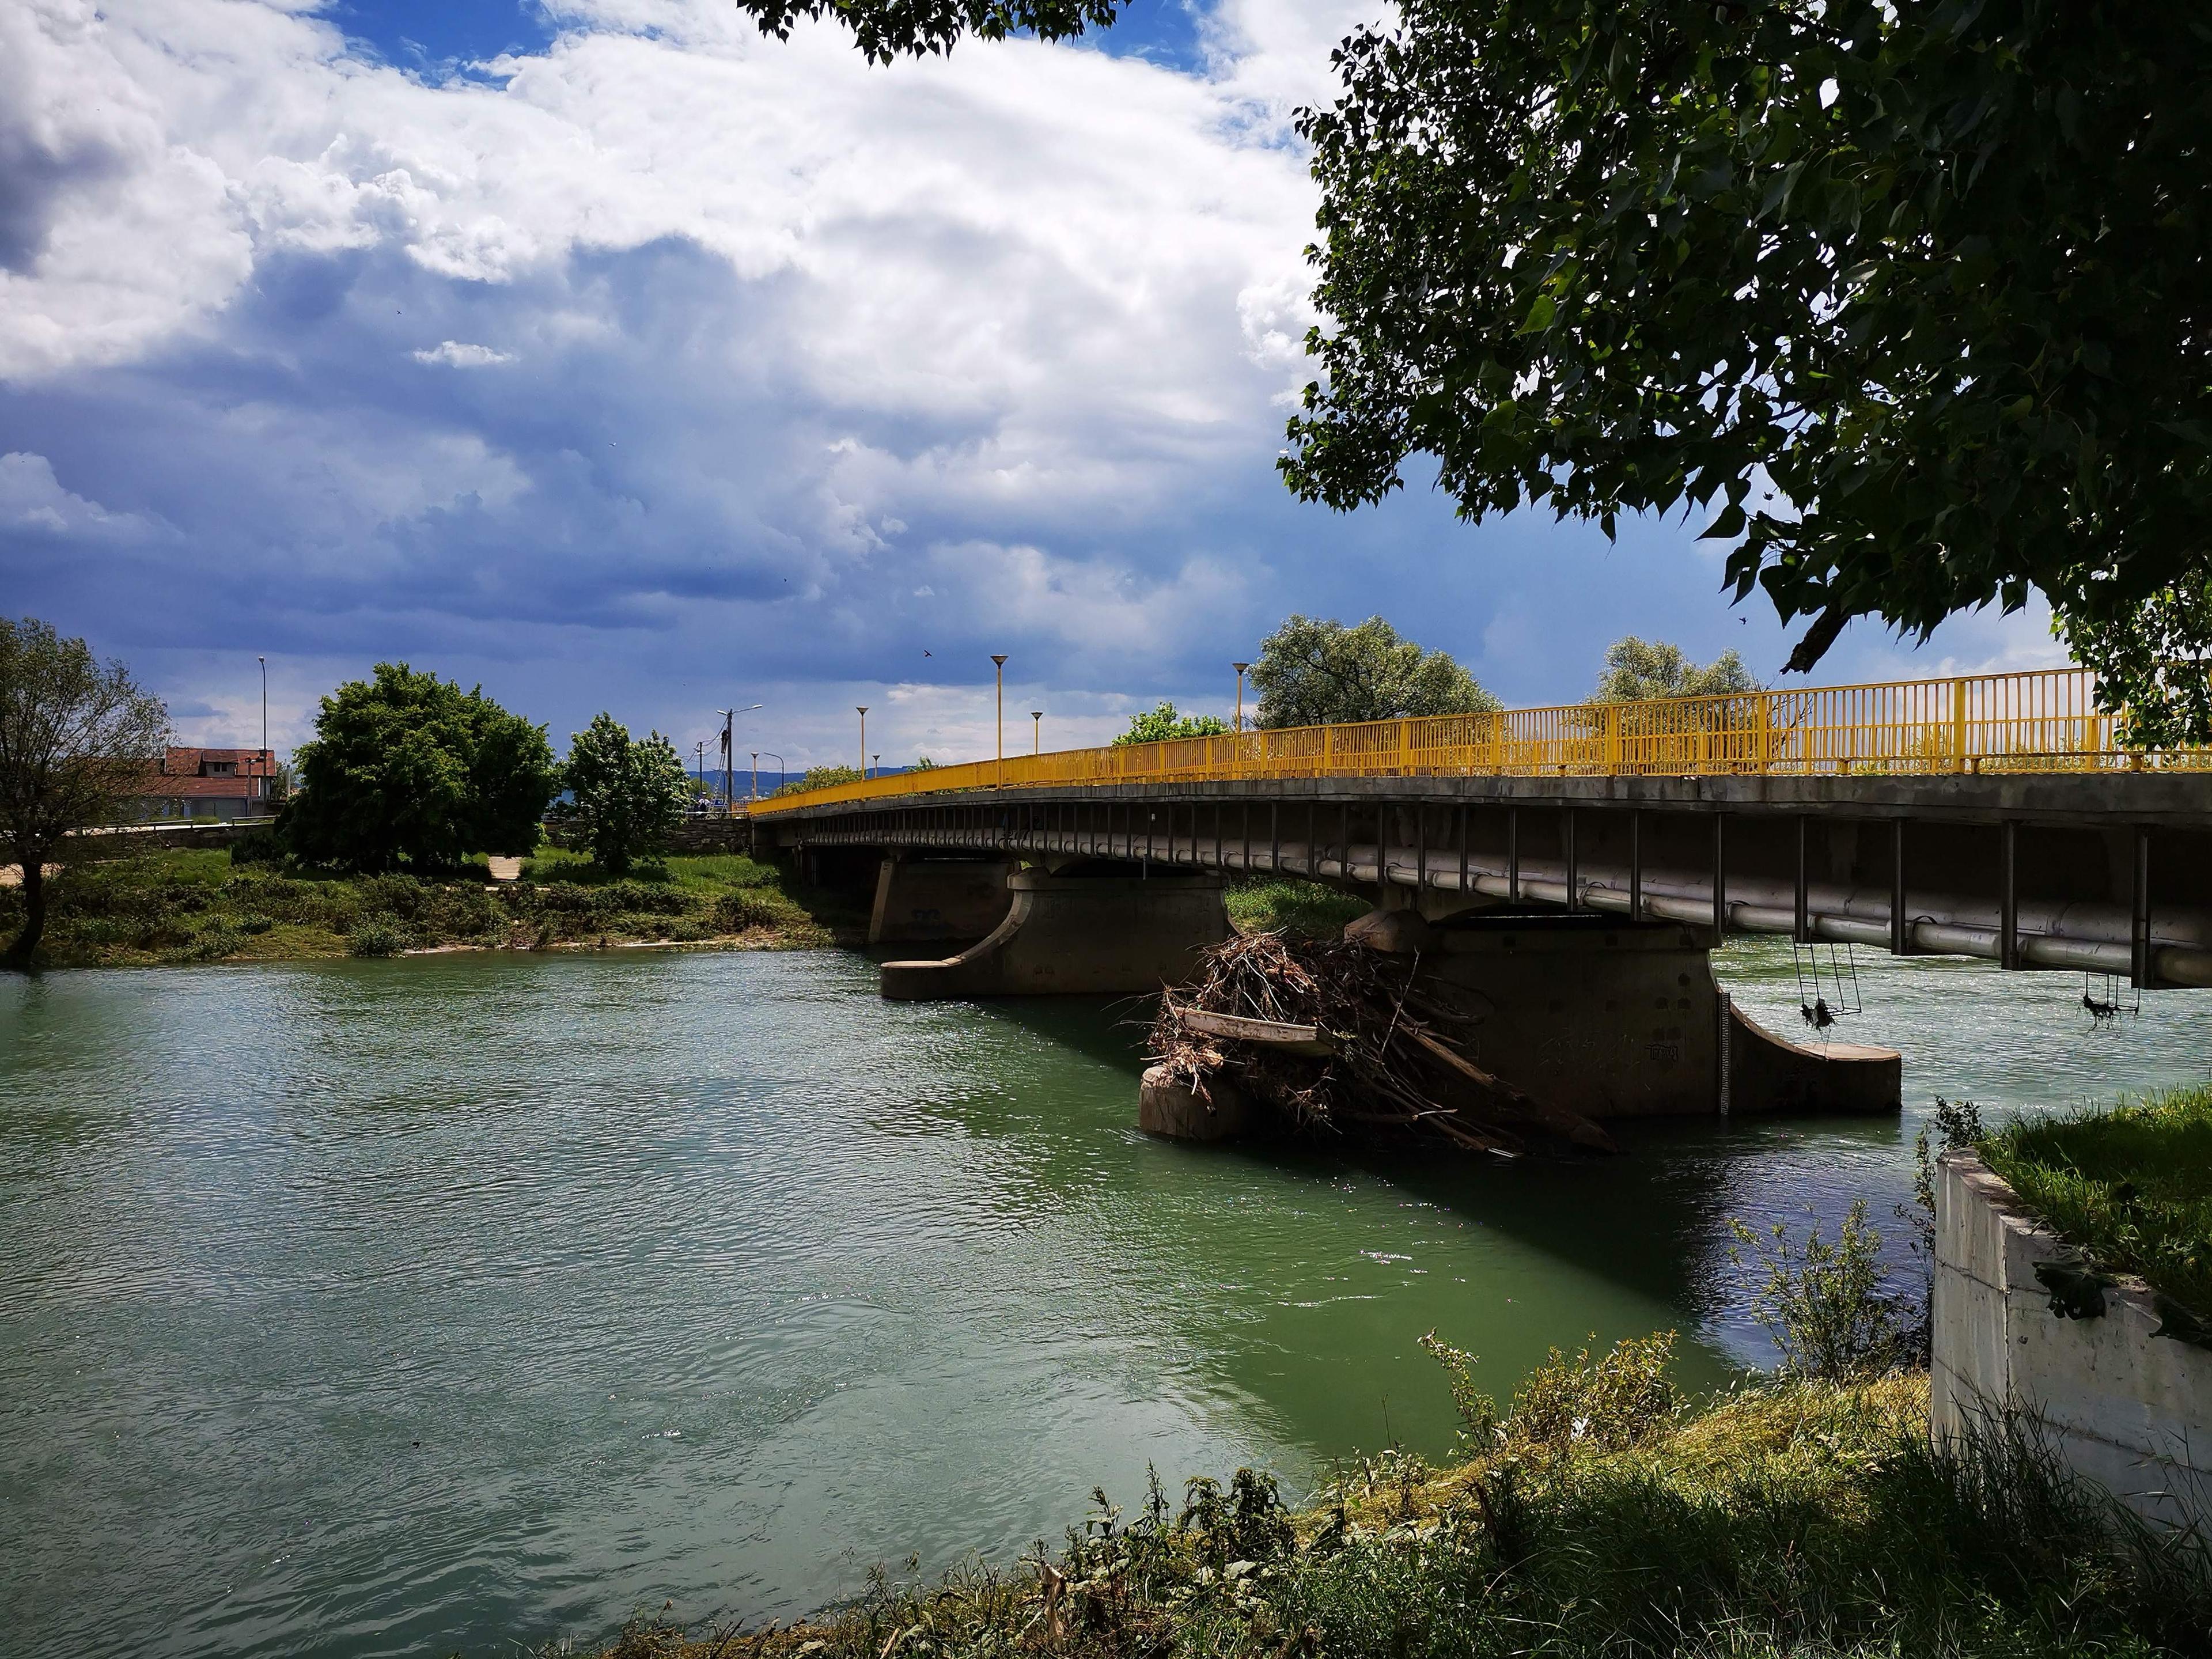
<point>505,869</point>
<point>11,875</point>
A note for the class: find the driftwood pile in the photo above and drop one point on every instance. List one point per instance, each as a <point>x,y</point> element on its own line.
<point>1335,1038</point>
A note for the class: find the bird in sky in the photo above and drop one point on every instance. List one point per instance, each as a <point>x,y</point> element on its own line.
<point>925,653</point>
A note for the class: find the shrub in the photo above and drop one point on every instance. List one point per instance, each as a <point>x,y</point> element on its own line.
<point>1827,1306</point>
<point>215,939</point>
<point>378,936</point>
<point>734,912</point>
<point>1612,1401</point>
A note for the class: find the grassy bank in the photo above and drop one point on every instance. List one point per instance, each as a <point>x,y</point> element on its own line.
<point>1270,904</point>
<point>199,906</point>
<point>1797,1518</point>
<point>2131,1187</point>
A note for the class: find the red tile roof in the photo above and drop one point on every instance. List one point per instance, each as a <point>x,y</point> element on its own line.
<point>186,762</point>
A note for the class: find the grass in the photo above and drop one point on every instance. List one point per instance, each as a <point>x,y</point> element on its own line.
<point>193,905</point>
<point>2131,1187</point>
<point>1284,903</point>
<point>1790,1518</point>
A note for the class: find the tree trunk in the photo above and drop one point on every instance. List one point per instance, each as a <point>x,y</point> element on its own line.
<point>35,914</point>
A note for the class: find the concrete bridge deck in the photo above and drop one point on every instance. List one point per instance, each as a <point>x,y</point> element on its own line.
<point>1996,817</point>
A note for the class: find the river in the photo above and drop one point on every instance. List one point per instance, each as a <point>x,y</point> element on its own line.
<point>406,1307</point>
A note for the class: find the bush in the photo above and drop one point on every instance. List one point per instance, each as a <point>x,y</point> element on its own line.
<point>735,912</point>
<point>378,936</point>
<point>1827,1306</point>
<point>1612,1401</point>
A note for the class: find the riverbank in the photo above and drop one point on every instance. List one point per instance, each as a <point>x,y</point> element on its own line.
<point>197,905</point>
<point>179,905</point>
<point>1787,1518</point>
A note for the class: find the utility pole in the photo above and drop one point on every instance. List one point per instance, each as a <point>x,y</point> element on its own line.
<point>998,662</point>
<point>863,707</point>
<point>755,793</point>
<point>266,768</point>
<point>1036,725</point>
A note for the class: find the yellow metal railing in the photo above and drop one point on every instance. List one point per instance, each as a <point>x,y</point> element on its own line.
<point>2043,720</point>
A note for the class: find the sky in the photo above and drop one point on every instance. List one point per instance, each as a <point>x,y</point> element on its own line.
<point>610,356</point>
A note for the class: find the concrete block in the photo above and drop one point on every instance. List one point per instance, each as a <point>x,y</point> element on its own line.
<point>2128,1410</point>
<point>1167,1108</point>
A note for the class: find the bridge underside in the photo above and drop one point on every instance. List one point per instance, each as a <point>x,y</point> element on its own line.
<point>2108,873</point>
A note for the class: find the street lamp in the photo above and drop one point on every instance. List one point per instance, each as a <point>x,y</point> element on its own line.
<point>266,769</point>
<point>998,662</point>
<point>780,766</point>
<point>1037,717</point>
<point>1239,667</point>
<point>863,707</point>
<point>876,761</point>
<point>729,783</point>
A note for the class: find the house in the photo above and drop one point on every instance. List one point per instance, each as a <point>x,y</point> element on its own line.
<point>210,783</point>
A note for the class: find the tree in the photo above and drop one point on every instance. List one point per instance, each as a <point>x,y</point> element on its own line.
<point>1159,724</point>
<point>1637,671</point>
<point>406,767</point>
<point>76,741</point>
<point>1929,278</point>
<point>821,777</point>
<point>1316,674</point>
<point>884,29</point>
<point>631,795</point>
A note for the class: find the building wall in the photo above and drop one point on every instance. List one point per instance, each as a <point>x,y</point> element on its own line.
<point>2128,1410</point>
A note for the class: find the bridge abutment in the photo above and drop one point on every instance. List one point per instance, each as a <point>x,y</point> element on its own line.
<point>1099,935</point>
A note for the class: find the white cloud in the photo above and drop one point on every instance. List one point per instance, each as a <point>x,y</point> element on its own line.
<point>457,354</point>
<point>33,502</point>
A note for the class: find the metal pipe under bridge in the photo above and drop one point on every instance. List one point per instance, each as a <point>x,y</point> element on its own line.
<point>1996,816</point>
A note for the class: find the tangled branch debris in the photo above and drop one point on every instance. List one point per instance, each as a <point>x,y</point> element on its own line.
<point>1384,1056</point>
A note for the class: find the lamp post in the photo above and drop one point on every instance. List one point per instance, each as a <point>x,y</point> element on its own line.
<point>729,759</point>
<point>876,761</point>
<point>1239,667</point>
<point>266,769</point>
<point>998,662</point>
<point>1037,719</point>
<point>780,764</point>
<point>863,707</point>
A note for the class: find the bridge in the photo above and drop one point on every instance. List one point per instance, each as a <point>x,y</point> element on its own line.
<point>1994,816</point>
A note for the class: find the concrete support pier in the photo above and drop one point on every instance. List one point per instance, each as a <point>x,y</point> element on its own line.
<point>1100,935</point>
<point>1615,1021</point>
<point>937,900</point>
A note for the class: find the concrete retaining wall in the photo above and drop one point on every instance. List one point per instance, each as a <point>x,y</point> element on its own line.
<point>2128,1410</point>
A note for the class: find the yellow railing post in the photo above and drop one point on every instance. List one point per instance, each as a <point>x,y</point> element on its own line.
<point>1957,725</point>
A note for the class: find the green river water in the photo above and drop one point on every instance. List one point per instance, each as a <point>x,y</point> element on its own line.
<point>465,1302</point>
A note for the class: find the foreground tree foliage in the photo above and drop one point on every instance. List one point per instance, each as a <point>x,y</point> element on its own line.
<point>1639,671</point>
<point>884,29</point>
<point>1919,293</point>
<point>1312,672</point>
<point>631,795</point>
<point>77,740</point>
<point>405,767</point>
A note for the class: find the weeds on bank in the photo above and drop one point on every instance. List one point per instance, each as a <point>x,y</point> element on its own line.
<point>1285,904</point>
<point>2130,1186</point>
<point>199,906</point>
<point>1792,1518</point>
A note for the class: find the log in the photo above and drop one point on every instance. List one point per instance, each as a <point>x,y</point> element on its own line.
<point>1558,1119</point>
<point>1282,1037</point>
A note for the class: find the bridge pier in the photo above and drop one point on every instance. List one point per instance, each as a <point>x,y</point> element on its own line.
<point>1100,935</point>
<point>937,900</point>
<point>1613,1020</point>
